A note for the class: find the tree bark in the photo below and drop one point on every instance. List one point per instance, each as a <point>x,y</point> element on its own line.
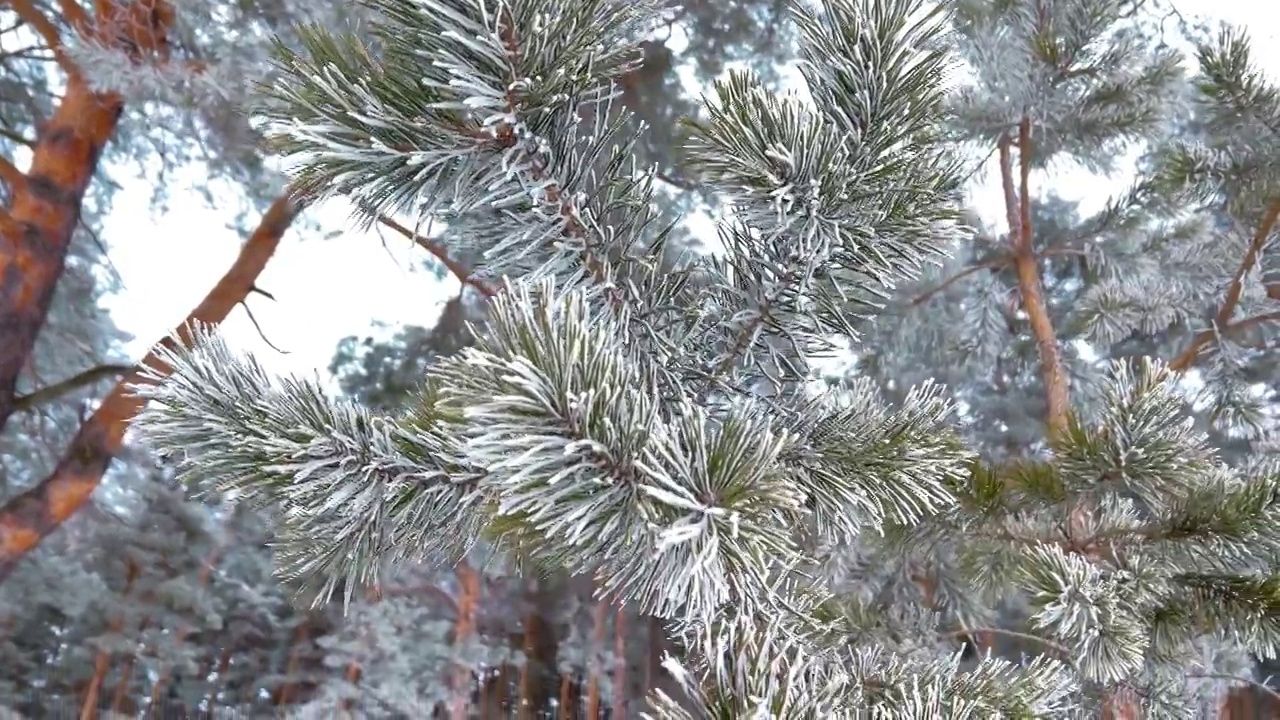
<point>46,201</point>
<point>599,616</point>
<point>1018,212</point>
<point>620,662</point>
<point>31,516</point>
<point>539,675</point>
<point>1222,319</point>
<point>464,627</point>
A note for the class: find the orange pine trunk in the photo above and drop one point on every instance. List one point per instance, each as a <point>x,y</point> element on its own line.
<point>541,647</point>
<point>45,202</point>
<point>285,693</point>
<point>599,616</point>
<point>566,696</point>
<point>354,671</point>
<point>620,663</point>
<point>31,516</point>
<point>36,228</point>
<point>468,606</point>
<point>126,676</point>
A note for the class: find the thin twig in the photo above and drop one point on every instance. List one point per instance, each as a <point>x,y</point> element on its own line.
<point>1222,320</point>
<point>995,263</point>
<point>45,28</point>
<point>441,253</point>
<point>967,632</point>
<point>1018,213</point>
<point>62,387</point>
<point>1270,691</point>
<point>258,327</point>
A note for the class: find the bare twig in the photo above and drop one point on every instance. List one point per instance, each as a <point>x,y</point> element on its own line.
<point>1265,688</point>
<point>1222,320</point>
<point>1018,212</point>
<point>441,253</point>
<point>45,28</point>
<point>258,327</point>
<point>967,632</point>
<point>82,379</point>
<point>995,263</point>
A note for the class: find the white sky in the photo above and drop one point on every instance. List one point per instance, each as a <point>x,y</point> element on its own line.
<point>327,289</point>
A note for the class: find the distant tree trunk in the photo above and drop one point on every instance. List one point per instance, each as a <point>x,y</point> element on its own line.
<point>620,663</point>
<point>123,685</point>
<point>102,660</point>
<point>599,615</point>
<point>287,692</point>
<point>180,635</point>
<point>220,672</point>
<point>541,648</point>
<point>655,643</point>
<point>29,517</point>
<point>371,595</point>
<point>566,696</point>
<point>493,696</point>
<point>464,627</point>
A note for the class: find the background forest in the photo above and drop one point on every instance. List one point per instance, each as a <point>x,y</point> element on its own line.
<point>122,592</point>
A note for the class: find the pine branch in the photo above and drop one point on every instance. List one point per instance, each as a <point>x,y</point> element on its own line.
<point>995,264</point>
<point>1018,214</point>
<point>441,253</point>
<point>1222,320</point>
<point>29,13</point>
<point>1265,688</point>
<point>28,518</point>
<point>962,633</point>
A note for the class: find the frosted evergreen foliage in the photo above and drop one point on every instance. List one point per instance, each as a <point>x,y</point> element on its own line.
<point>605,420</point>
<point>1179,548</point>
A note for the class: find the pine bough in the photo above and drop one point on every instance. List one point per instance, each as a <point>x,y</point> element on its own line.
<point>643,425</point>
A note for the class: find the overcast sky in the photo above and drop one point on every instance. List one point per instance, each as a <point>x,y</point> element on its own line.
<point>327,289</point>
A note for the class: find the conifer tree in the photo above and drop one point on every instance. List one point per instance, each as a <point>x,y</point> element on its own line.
<point>1164,270</point>
<point>651,425</point>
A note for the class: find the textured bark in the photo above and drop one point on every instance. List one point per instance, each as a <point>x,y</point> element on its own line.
<point>31,516</point>
<point>1018,212</point>
<point>37,228</point>
<point>1222,319</point>
<point>45,202</point>
<point>620,663</point>
<point>538,676</point>
<point>599,617</point>
<point>464,627</point>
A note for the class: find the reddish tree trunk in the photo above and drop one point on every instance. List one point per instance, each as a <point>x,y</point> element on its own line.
<point>598,617</point>
<point>31,516</point>
<point>45,202</point>
<point>465,626</point>
<point>620,663</point>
